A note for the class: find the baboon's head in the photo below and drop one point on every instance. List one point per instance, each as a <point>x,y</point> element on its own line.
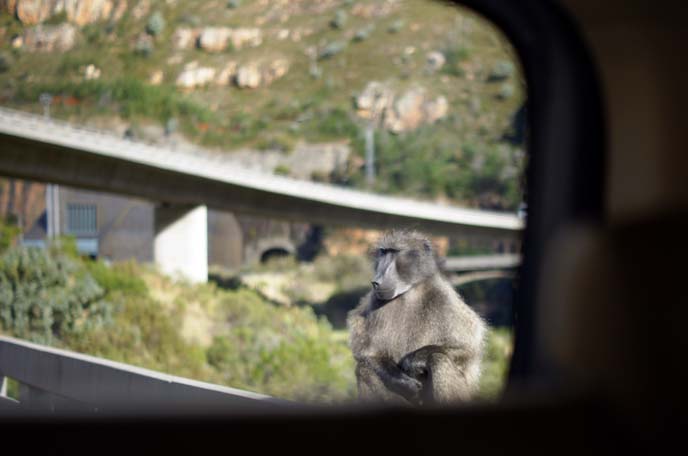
<point>402,260</point>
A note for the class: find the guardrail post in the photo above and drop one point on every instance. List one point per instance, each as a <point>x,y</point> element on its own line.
<point>3,385</point>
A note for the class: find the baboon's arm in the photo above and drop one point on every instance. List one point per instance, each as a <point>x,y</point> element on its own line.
<point>391,376</point>
<point>442,369</point>
<point>415,364</point>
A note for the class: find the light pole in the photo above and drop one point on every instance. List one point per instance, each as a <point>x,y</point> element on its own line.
<point>377,110</point>
<point>370,153</point>
<point>46,100</point>
<point>52,192</point>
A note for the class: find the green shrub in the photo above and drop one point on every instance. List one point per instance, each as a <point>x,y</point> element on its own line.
<point>279,142</point>
<point>426,162</point>
<point>5,62</point>
<point>8,234</point>
<point>502,70</point>
<point>284,352</point>
<point>396,26</point>
<point>334,123</point>
<point>44,294</point>
<point>348,272</point>
<point>121,278</point>
<point>339,19</point>
<point>282,170</point>
<point>55,297</point>
<point>143,46</point>
<point>364,33</point>
<point>454,56</point>
<point>145,334</point>
<point>331,50</point>
<point>506,91</point>
<point>495,366</point>
<point>135,98</point>
<point>156,24</point>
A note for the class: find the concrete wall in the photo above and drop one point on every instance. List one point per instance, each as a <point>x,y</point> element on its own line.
<point>125,225</point>
<point>126,228</point>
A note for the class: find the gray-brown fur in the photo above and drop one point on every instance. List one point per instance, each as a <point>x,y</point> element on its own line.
<point>413,338</point>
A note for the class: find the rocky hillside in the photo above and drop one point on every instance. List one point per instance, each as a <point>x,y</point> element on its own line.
<point>271,78</point>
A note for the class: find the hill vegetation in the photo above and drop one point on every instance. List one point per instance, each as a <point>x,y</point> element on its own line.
<point>133,314</point>
<point>269,75</point>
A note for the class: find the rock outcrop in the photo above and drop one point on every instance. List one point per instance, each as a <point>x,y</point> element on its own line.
<point>194,76</point>
<point>49,38</point>
<point>303,162</point>
<point>250,75</point>
<point>92,72</point>
<point>256,74</point>
<point>435,60</point>
<point>79,12</point>
<point>227,74</point>
<point>398,114</point>
<point>185,38</point>
<point>216,39</point>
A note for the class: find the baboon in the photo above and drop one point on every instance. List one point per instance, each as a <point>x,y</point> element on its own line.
<point>415,341</point>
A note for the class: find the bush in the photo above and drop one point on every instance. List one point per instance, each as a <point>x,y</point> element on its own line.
<point>8,234</point>
<point>363,34</point>
<point>339,20</point>
<point>134,97</point>
<point>52,296</point>
<point>502,70</point>
<point>331,50</point>
<point>426,162</point>
<point>348,272</point>
<point>284,352</point>
<point>156,24</point>
<point>495,366</point>
<point>282,170</point>
<point>333,124</point>
<point>5,62</point>
<point>280,142</point>
<point>46,294</point>
<point>396,26</point>
<point>144,46</point>
<point>454,55</point>
<point>506,91</point>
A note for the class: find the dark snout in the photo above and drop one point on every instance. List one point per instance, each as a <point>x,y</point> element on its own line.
<point>384,282</point>
<point>382,291</point>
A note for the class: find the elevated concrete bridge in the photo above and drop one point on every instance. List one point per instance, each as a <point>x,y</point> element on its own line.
<point>185,183</point>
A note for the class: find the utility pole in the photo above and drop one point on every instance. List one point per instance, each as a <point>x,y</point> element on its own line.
<point>370,153</point>
<point>52,210</point>
<point>52,191</point>
<point>376,112</point>
<point>46,100</point>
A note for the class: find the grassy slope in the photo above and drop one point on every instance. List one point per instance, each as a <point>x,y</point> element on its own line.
<point>294,107</point>
<point>133,314</point>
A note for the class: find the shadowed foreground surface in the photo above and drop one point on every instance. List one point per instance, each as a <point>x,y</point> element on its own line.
<point>567,425</point>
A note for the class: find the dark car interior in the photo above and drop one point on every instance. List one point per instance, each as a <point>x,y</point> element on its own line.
<point>599,310</point>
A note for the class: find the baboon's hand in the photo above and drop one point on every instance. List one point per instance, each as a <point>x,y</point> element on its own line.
<point>410,388</point>
<point>415,366</point>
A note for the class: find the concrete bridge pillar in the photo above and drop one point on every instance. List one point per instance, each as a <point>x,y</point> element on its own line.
<point>181,241</point>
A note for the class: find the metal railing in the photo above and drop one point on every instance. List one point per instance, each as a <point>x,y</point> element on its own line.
<point>58,381</point>
<point>482,262</point>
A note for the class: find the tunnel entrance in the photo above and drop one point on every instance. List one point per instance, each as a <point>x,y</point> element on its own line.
<point>274,253</point>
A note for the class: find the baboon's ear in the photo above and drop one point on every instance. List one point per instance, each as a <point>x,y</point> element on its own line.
<point>427,245</point>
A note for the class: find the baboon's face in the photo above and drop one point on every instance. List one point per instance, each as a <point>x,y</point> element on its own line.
<point>397,270</point>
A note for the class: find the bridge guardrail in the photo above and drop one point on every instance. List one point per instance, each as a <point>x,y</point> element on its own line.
<point>59,381</point>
